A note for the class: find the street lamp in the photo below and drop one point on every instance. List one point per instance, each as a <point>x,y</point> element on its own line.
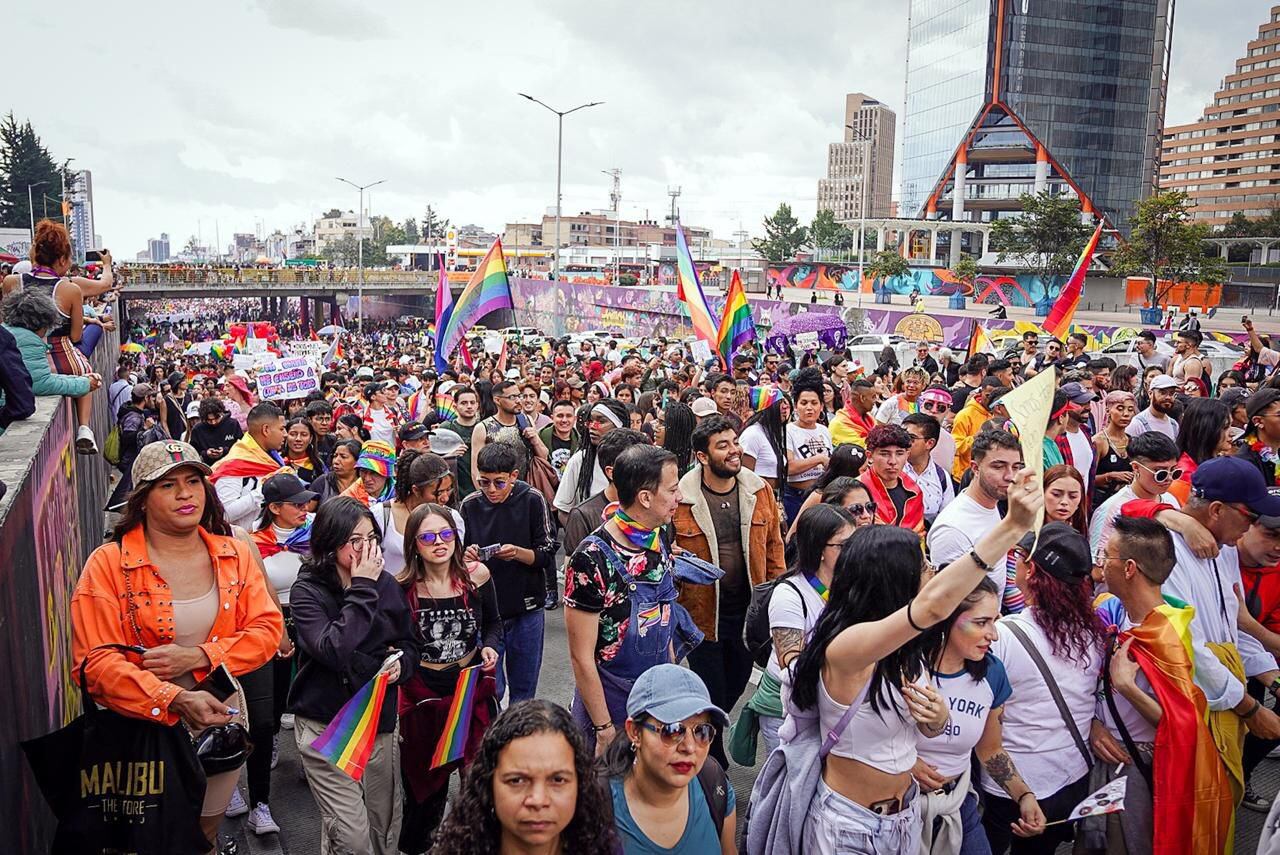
<point>862,193</point>
<point>360,250</point>
<point>31,208</point>
<point>560,114</point>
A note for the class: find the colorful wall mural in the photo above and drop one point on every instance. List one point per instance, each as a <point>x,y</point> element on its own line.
<point>1023,289</point>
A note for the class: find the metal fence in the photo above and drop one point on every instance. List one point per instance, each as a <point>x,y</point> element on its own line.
<point>1248,295</point>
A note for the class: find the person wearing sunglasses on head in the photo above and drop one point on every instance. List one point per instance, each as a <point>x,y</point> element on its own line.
<point>669,795</point>
<point>1153,458</point>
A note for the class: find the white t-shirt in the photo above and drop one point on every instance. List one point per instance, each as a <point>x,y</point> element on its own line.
<point>282,568</point>
<point>1081,452</point>
<point>791,610</point>
<point>382,428</point>
<point>1035,736</point>
<point>755,441</point>
<point>393,538</point>
<point>1147,420</point>
<point>1104,518</point>
<point>805,443</point>
<point>971,701</point>
<point>958,528</point>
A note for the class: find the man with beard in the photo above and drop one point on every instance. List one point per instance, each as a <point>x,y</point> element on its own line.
<point>996,460</point>
<point>1188,362</point>
<point>728,516</point>
<point>507,425</point>
<point>1156,417</point>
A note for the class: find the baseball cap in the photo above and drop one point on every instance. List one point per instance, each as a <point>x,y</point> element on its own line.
<point>1234,479</point>
<point>371,389</point>
<point>1062,552</point>
<point>193,409</point>
<point>1163,381</point>
<point>364,372</point>
<point>575,382</point>
<point>704,407</point>
<point>140,391</point>
<point>1235,397</point>
<point>413,430</point>
<point>286,487</point>
<point>1077,394</point>
<point>157,459</point>
<point>671,693</point>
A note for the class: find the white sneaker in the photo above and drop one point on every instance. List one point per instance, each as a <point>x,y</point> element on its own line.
<point>261,821</point>
<point>286,721</point>
<point>86,442</point>
<point>236,807</point>
<point>1274,753</point>
<point>275,750</point>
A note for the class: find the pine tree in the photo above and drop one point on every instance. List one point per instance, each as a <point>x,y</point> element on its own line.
<point>433,225</point>
<point>24,162</point>
<point>411,233</point>
<point>784,236</point>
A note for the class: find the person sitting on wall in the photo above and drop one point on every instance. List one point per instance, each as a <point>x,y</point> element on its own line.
<point>28,315</point>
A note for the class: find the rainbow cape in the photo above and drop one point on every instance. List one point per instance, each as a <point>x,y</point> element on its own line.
<point>1193,804</point>
<point>1058,324</point>
<point>737,326</point>
<point>247,459</point>
<point>689,290</point>
<point>457,725</point>
<point>764,397</point>
<point>348,740</point>
<point>445,407</point>
<point>487,291</point>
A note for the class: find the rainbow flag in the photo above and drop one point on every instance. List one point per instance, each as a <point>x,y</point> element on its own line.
<point>414,406</point>
<point>348,740</point>
<point>689,290</point>
<point>445,408</point>
<point>1058,324</point>
<point>457,724</point>
<point>444,308</point>
<point>487,291</point>
<point>764,397</point>
<point>737,326</point>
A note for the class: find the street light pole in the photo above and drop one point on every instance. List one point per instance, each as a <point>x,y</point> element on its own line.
<point>360,250</point>
<point>862,198</point>
<point>560,114</point>
<point>31,208</point>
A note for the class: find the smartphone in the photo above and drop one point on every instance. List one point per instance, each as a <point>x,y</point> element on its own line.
<point>218,683</point>
<point>522,421</point>
<point>487,552</point>
<point>93,255</point>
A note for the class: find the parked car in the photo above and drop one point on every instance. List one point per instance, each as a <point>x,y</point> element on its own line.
<point>1220,355</point>
<point>866,348</point>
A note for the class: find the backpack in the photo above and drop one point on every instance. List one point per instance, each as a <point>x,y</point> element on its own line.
<point>755,629</point>
<point>715,789</point>
<point>111,448</point>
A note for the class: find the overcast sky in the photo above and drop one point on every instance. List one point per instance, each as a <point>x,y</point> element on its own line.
<point>242,112</point>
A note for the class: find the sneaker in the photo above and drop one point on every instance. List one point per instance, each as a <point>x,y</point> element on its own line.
<point>86,443</point>
<point>1273,754</point>
<point>275,750</point>
<point>552,601</point>
<point>1254,801</point>
<point>261,822</point>
<point>236,807</point>
<point>286,721</point>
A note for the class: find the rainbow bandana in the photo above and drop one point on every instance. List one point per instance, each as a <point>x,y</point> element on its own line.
<point>764,397</point>
<point>637,535</point>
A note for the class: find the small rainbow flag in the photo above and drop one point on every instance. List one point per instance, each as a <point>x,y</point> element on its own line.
<point>1058,324</point>
<point>413,406</point>
<point>689,291</point>
<point>457,724</point>
<point>737,326</point>
<point>764,397</point>
<point>445,407</point>
<point>487,291</point>
<point>348,740</point>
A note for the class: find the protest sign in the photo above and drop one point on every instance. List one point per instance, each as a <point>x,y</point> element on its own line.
<point>292,377</point>
<point>1029,406</point>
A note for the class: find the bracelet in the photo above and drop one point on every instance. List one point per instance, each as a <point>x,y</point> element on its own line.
<point>1257,705</point>
<point>598,728</point>
<point>1024,795</point>
<point>977,559</point>
<point>914,625</point>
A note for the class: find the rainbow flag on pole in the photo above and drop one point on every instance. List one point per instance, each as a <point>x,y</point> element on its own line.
<point>737,327</point>
<point>457,724</point>
<point>487,291</point>
<point>979,341</point>
<point>444,308</point>
<point>689,291</point>
<point>348,740</point>
<point>1058,324</point>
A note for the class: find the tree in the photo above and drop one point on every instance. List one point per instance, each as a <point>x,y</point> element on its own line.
<point>887,264</point>
<point>1046,239</point>
<point>784,236</point>
<point>1165,245</point>
<point>826,233</point>
<point>331,213</point>
<point>24,161</point>
<point>343,252</point>
<point>965,271</point>
<point>433,225</point>
<point>411,233</point>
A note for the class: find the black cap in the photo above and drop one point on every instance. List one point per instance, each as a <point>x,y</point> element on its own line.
<point>413,430</point>
<point>371,389</point>
<point>1062,552</point>
<point>286,488</point>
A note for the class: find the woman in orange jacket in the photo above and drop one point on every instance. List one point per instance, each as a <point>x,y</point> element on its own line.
<point>173,580</point>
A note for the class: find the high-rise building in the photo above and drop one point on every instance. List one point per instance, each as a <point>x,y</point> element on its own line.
<point>80,202</point>
<point>1006,97</point>
<point>869,128</point>
<point>158,249</point>
<point>1229,160</point>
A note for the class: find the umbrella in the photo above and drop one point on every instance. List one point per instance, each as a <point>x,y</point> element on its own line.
<point>807,331</point>
<point>131,347</point>
<point>332,329</point>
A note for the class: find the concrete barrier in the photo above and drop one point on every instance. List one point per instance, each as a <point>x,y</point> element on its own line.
<point>50,520</point>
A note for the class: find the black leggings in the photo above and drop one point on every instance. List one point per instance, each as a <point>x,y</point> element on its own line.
<point>1000,813</point>
<point>266,691</point>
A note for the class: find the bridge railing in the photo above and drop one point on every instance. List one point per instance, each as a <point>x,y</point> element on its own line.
<point>271,276</point>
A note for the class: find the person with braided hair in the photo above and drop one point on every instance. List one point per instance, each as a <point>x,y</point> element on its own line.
<point>582,476</point>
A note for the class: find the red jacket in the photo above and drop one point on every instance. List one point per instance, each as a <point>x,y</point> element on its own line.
<point>886,511</point>
<point>1262,594</point>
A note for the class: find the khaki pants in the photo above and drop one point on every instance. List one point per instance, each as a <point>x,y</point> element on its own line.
<point>358,817</point>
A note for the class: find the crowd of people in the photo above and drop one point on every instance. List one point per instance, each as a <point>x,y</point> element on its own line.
<point>834,574</point>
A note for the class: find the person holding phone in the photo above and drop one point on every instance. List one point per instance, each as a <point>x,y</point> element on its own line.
<point>349,616</point>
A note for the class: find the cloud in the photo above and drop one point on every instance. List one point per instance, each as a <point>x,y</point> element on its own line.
<point>343,20</point>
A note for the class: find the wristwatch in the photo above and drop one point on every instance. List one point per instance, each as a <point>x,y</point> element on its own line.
<point>1275,685</point>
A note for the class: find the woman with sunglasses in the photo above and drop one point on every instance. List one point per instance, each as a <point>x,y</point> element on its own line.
<point>669,795</point>
<point>1111,447</point>
<point>455,614</point>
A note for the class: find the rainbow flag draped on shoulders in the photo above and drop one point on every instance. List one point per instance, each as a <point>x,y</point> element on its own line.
<point>737,326</point>
<point>488,290</point>
<point>1193,805</point>
<point>689,291</point>
<point>247,459</point>
<point>1058,324</point>
<point>348,740</point>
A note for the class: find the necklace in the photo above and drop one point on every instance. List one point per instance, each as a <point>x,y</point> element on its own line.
<point>636,534</point>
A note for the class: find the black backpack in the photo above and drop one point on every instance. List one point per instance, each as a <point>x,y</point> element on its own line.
<point>715,788</point>
<point>755,630</point>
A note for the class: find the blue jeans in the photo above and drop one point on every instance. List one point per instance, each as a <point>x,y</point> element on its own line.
<point>975,837</point>
<point>522,636</point>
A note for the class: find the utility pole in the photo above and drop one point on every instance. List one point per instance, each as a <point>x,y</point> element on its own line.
<point>615,199</point>
<point>360,250</point>
<point>674,217</point>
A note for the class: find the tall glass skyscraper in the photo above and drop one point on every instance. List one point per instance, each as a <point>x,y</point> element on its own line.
<point>1006,97</point>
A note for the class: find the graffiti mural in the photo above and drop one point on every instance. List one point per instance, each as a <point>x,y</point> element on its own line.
<point>820,275</point>
<point>1023,289</point>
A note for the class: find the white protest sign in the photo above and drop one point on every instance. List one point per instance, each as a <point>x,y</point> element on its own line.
<point>701,350</point>
<point>256,345</point>
<point>314,349</point>
<point>241,361</point>
<point>807,340</point>
<point>261,360</point>
<point>292,377</point>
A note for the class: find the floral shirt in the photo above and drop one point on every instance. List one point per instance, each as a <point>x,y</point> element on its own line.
<point>593,583</point>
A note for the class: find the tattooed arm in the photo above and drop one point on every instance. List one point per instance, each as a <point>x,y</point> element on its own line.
<point>787,644</point>
<point>999,765</point>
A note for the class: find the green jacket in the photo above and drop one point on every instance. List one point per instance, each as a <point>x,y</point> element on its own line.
<point>44,381</point>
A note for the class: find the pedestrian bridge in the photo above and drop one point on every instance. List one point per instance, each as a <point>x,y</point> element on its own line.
<point>146,283</point>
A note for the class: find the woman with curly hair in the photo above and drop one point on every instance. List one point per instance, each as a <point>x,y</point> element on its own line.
<point>1059,629</point>
<point>535,776</point>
